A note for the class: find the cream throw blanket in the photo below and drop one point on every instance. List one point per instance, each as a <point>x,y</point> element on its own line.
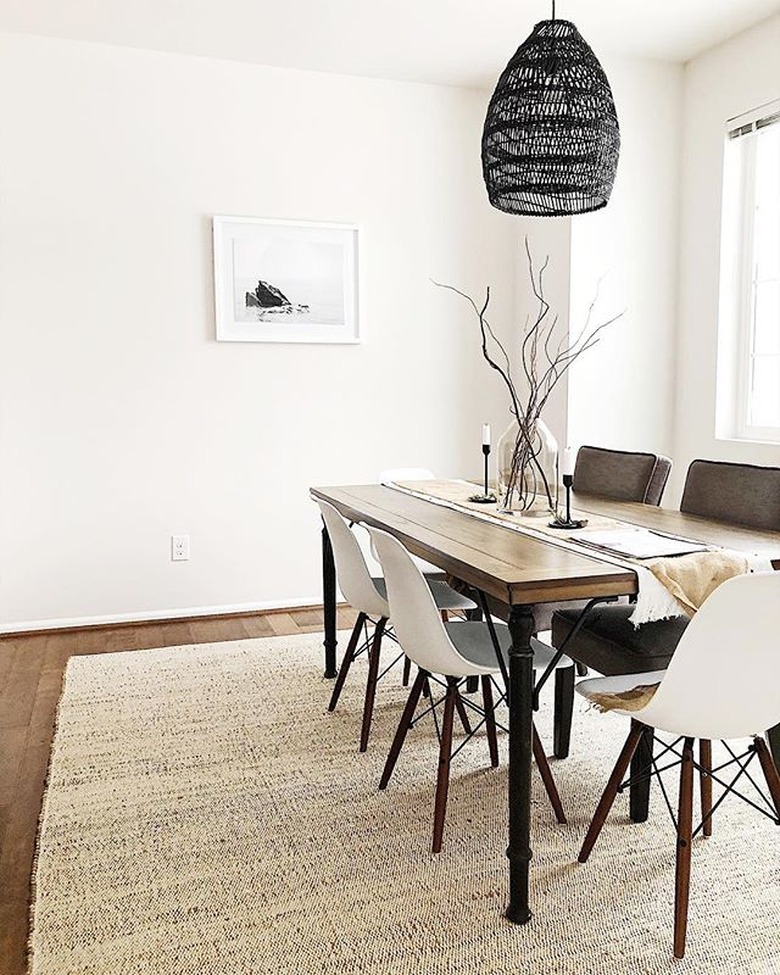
<point>691,578</point>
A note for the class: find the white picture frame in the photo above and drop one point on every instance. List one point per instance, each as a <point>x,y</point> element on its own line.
<point>285,281</point>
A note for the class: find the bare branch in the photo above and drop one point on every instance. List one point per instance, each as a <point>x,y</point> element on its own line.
<point>542,369</point>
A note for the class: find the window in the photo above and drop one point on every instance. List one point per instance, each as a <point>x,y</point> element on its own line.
<point>749,335</point>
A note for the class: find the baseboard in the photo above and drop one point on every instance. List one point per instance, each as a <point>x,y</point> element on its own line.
<point>159,616</point>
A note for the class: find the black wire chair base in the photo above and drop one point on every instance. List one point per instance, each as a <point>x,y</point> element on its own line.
<point>742,761</point>
<point>467,704</point>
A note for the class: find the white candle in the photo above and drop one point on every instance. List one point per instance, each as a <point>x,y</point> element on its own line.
<point>485,434</point>
<point>568,461</point>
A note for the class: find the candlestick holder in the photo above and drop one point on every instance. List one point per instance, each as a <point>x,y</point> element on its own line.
<point>567,522</point>
<point>488,497</point>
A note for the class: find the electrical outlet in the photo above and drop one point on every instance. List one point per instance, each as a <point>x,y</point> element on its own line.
<point>180,548</point>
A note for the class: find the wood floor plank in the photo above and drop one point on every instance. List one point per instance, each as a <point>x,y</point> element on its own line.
<point>8,651</point>
<point>217,629</point>
<point>177,634</point>
<point>150,635</point>
<point>18,697</point>
<point>119,639</point>
<point>16,859</point>
<point>283,624</point>
<point>13,937</point>
<point>258,626</point>
<point>12,745</point>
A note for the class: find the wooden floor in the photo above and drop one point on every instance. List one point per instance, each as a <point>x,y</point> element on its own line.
<point>31,669</point>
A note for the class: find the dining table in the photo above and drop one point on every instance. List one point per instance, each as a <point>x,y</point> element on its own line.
<point>518,571</point>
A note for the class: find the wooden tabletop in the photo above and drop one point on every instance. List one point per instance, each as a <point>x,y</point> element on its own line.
<point>694,527</point>
<point>506,564</point>
<point>513,567</point>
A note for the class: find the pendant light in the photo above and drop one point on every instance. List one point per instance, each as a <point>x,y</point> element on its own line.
<point>551,140</point>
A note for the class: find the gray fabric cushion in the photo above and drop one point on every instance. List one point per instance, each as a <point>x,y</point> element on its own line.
<point>620,474</point>
<point>474,643</point>
<point>444,596</point>
<point>742,494</point>
<point>611,645</point>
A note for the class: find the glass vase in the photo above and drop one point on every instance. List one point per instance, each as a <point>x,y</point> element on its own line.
<point>528,470</point>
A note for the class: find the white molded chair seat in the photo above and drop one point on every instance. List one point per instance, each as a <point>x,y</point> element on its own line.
<point>368,596</point>
<point>454,650</point>
<point>469,639</point>
<point>722,682</point>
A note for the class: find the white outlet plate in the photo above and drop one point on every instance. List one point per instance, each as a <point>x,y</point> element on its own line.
<point>180,548</point>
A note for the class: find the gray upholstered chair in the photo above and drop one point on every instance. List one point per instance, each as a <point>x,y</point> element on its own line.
<point>740,494</point>
<point>625,476</point>
<point>621,474</point>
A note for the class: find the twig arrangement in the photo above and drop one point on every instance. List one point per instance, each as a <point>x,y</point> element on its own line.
<point>543,363</point>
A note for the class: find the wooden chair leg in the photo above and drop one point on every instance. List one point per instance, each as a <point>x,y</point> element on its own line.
<point>547,778</point>
<point>403,726</point>
<point>705,785</point>
<point>443,777</point>
<point>564,709</point>
<point>445,616</point>
<point>684,837</point>
<point>769,768</point>
<point>490,719</point>
<point>373,677</point>
<point>610,791</point>
<point>349,656</point>
<point>407,671</point>
<point>462,713</point>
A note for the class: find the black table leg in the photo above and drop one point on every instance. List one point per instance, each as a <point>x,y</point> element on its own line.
<point>639,792</point>
<point>329,603</point>
<point>521,688</point>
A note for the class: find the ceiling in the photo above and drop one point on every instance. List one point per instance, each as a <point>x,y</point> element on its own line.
<point>453,42</point>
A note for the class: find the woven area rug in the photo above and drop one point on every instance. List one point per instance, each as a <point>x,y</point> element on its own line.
<point>205,814</point>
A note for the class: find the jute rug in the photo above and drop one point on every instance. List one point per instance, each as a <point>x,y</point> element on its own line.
<point>205,814</point>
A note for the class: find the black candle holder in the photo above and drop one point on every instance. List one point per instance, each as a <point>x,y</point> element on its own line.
<point>488,497</point>
<point>567,522</point>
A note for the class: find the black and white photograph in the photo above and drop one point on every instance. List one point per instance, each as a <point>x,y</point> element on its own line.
<point>285,281</point>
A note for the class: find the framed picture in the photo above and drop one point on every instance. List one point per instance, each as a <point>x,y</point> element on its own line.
<point>285,281</point>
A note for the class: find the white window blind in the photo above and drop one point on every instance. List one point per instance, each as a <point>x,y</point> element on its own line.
<point>751,272</point>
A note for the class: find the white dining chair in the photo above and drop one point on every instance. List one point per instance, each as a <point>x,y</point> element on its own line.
<point>368,596</point>
<point>454,651</point>
<point>723,682</point>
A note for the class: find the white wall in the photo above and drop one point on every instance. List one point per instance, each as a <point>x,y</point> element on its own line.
<point>730,79</point>
<point>621,391</point>
<point>122,421</point>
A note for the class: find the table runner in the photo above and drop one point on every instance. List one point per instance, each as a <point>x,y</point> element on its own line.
<point>666,587</point>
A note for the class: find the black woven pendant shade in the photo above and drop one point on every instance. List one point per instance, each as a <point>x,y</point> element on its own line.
<point>551,140</point>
